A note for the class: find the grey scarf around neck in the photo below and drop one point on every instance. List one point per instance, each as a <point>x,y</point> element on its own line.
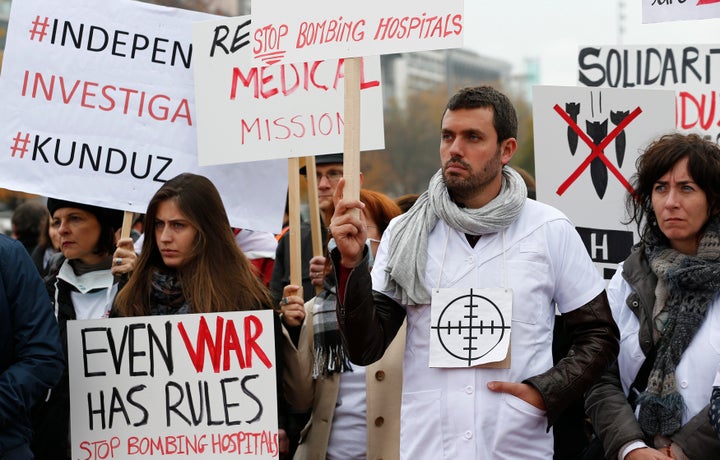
<point>407,256</point>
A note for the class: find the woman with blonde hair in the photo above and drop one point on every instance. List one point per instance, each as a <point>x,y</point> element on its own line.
<point>81,283</point>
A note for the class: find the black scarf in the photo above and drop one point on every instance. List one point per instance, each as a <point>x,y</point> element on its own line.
<point>166,296</point>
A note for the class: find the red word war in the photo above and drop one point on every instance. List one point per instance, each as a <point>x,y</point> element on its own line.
<point>225,344</point>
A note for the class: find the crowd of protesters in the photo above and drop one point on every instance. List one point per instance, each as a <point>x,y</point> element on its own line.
<point>359,373</point>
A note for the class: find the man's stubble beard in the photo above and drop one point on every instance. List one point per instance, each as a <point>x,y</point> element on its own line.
<point>462,189</point>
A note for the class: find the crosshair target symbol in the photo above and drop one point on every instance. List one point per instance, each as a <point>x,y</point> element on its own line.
<point>470,327</point>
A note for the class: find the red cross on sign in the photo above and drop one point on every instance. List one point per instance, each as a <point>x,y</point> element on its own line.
<point>597,150</point>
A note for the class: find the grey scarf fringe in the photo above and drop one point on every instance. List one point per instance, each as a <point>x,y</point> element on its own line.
<point>329,352</point>
<point>330,360</point>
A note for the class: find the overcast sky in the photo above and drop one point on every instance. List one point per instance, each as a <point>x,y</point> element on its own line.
<point>553,31</point>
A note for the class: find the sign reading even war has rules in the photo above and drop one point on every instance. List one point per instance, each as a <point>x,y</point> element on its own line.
<point>679,10</point>
<point>291,31</point>
<point>692,71</point>
<point>171,387</point>
<point>248,112</point>
<point>99,107</point>
<point>586,144</point>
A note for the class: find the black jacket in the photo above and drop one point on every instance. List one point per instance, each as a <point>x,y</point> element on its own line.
<point>31,359</point>
<point>281,269</point>
<point>606,404</point>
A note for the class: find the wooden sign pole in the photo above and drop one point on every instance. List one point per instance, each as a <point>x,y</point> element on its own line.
<point>313,203</point>
<point>294,222</point>
<point>127,224</point>
<point>351,139</point>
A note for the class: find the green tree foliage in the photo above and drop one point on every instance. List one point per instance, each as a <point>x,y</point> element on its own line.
<point>525,155</point>
<point>412,138</point>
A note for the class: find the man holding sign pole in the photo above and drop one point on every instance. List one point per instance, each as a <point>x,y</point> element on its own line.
<point>478,270</point>
<point>329,170</point>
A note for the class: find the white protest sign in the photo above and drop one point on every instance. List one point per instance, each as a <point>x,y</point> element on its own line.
<point>172,387</point>
<point>692,71</point>
<point>667,10</point>
<point>99,107</point>
<point>250,113</point>
<point>586,144</point>
<point>291,31</point>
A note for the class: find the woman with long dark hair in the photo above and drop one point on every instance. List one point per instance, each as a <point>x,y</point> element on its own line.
<point>190,263</point>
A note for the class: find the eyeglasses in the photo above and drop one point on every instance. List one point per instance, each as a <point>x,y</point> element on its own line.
<point>332,176</point>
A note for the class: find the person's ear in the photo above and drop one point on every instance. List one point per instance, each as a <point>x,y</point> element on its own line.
<point>507,149</point>
<point>713,212</point>
<point>361,179</point>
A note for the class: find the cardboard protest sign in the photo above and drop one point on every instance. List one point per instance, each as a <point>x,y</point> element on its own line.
<point>288,31</point>
<point>171,387</point>
<point>586,144</point>
<point>692,71</point>
<point>667,10</point>
<point>99,107</point>
<point>248,113</point>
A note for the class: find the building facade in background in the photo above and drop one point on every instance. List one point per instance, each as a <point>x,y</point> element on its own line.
<point>404,74</point>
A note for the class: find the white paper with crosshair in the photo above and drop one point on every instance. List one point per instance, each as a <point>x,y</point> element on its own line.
<point>469,327</point>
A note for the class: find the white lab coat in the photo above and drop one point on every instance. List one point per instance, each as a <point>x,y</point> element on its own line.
<point>450,413</point>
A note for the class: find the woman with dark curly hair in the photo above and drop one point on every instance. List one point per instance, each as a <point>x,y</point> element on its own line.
<point>653,403</point>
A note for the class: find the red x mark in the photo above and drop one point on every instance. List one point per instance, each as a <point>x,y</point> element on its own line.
<point>597,150</point>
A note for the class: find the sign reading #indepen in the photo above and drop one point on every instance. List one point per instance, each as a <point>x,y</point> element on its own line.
<point>291,31</point>
<point>99,107</point>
